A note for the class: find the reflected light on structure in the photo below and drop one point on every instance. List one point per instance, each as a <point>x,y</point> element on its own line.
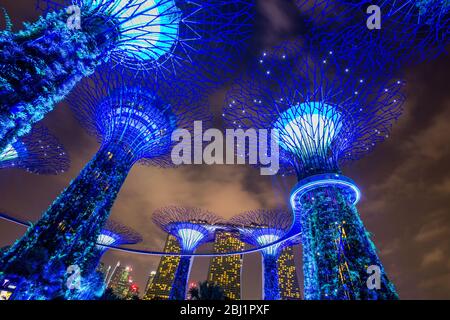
<point>10,153</point>
<point>308,126</point>
<point>190,238</point>
<point>106,240</point>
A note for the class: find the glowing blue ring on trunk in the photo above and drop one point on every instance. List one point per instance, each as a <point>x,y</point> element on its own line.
<point>323,180</point>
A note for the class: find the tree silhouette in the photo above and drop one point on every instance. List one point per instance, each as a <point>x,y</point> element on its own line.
<point>207,291</point>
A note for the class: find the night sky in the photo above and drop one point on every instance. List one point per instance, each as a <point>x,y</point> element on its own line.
<point>405,181</point>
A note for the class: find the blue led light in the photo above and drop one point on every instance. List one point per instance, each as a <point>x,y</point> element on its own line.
<point>267,239</point>
<point>320,120</point>
<point>322,181</point>
<point>290,237</point>
<point>308,126</point>
<point>143,121</point>
<point>326,114</point>
<point>192,227</point>
<point>190,238</point>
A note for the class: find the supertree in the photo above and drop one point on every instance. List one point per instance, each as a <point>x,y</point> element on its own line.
<point>260,228</point>
<point>42,63</point>
<point>192,227</point>
<point>409,31</point>
<point>113,234</point>
<point>133,122</point>
<point>324,116</point>
<point>38,152</point>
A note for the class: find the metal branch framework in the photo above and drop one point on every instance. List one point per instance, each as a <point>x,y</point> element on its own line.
<point>38,152</point>
<point>411,31</point>
<point>116,234</point>
<point>326,114</point>
<point>262,227</point>
<point>166,35</point>
<point>112,234</point>
<point>192,227</point>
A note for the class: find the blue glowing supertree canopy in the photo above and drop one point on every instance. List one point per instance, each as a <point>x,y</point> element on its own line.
<point>262,227</point>
<point>134,120</point>
<point>117,234</point>
<point>40,65</point>
<point>410,31</point>
<point>192,227</point>
<point>326,114</point>
<point>163,34</point>
<point>139,115</point>
<point>38,152</point>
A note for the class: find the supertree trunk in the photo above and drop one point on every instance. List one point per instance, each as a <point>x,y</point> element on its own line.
<point>40,65</point>
<point>270,280</point>
<point>337,250</point>
<point>179,285</point>
<point>92,264</point>
<point>67,232</point>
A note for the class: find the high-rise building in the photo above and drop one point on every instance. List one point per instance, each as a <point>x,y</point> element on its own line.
<point>225,271</point>
<point>151,277</point>
<point>160,287</point>
<point>287,275</point>
<point>121,280</point>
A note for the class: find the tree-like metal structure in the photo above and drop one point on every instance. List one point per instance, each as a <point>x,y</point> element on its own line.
<point>408,31</point>
<point>41,64</point>
<point>114,234</point>
<point>134,122</point>
<point>38,152</point>
<point>192,227</point>
<point>325,116</point>
<point>262,227</point>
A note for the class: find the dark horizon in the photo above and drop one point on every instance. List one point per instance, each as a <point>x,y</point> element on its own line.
<point>405,182</point>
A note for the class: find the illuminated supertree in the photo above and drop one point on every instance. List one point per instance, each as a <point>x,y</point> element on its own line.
<point>134,122</point>
<point>325,116</point>
<point>113,234</point>
<point>260,228</point>
<point>409,31</point>
<point>192,227</point>
<point>38,152</point>
<point>42,63</point>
